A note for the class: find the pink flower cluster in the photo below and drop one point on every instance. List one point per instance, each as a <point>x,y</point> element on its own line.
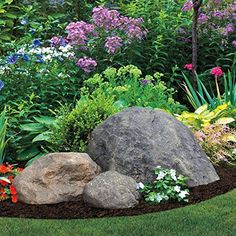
<point>188,66</point>
<point>217,72</point>
<point>78,32</point>
<point>113,20</point>
<point>86,64</point>
<point>113,44</point>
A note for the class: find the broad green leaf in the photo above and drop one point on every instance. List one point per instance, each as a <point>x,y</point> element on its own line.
<point>28,154</point>
<point>224,120</point>
<point>45,136</point>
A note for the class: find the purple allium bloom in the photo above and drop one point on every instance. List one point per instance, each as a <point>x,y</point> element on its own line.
<point>188,5</point>
<point>12,59</point>
<point>36,43</point>
<point>234,43</point>
<point>86,64</point>
<point>1,85</point>
<point>144,82</point>
<point>113,44</point>
<point>202,18</point>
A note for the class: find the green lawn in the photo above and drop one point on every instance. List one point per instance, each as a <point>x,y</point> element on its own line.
<point>214,217</point>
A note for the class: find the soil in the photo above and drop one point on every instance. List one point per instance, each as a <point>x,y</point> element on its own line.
<point>79,210</point>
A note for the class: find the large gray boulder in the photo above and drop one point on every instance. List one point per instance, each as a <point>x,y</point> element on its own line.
<point>56,177</point>
<point>111,190</point>
<point>136,140</point>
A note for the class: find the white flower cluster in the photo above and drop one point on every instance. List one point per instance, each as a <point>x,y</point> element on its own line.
<point>48,53</point>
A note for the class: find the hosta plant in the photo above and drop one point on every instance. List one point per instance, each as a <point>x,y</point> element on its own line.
<point>167,186</point>
<point>203,117</point>
<point>7,189</point>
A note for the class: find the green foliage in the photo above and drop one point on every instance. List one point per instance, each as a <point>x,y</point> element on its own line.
<point>130,88</point>
<point>3,131</point>
<point>202,117</point>
<point>203,95</point>
<point>75,127</point>
<point>167,186</point>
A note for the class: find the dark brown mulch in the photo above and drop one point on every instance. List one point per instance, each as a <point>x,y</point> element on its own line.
<point>73,210</point>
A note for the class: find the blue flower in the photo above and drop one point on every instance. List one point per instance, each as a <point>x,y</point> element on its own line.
<point>1,85</point>
<point>39,58</point>
<point>12,59</point>
<point>26,57</point>
<point>36,43</point>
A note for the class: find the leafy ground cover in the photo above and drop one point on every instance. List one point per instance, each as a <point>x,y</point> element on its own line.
<point>212,217</point>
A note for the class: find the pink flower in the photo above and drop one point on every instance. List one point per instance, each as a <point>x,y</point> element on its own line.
<point>216,71</point>
<point>86,64</point>
<point>187,6</point>
<point>188,66</point>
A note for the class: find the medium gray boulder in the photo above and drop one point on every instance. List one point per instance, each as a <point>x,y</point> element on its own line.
<point>111,190</point>
<point>56,177</point>
<point>136,140</point>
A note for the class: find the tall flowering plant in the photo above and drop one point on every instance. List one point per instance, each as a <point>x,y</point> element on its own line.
<point>100,40</point>
<point>7,189</point>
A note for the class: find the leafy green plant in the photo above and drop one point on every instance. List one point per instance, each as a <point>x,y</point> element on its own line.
<point>201,95</point>
<point>74,127</point>
<point>36,135</point>
<point>203,117</point>
<point>130,88</point>
<point>3,131</point>
<point>167,186</point>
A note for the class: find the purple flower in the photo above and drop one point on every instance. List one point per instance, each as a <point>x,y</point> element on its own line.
<point>1,85</point>
<point>202,18</point>
<point>36,43</point>
<point>113,44</point>
<point>229,28</point>
<point>234,43</point>
<point>188,5</point>
<point>86,64</point>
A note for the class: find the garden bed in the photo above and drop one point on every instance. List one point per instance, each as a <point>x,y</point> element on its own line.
<point>73,210</point>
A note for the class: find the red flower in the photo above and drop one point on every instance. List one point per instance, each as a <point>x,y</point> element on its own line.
<point>19,169</point>
<point>216,71</point>
<point>10,177</point>
<point>14,198</point>
<point>12,190</point>
<point>188,66</point>
<point>3,169</point>
<point>3,195</point>
<point>3,183</point>
<point>2,190</point>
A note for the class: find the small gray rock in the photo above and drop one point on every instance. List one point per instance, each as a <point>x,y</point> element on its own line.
<point>136,140</point>
<point>111,190</point>
<point>56,177</point>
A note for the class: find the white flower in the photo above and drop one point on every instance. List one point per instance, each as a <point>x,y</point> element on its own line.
<point>173,174</point>
<point>140,185</point>
<point>161,175</point>
<point>158,167</point>
<point>183,194</point>
<point>158,197</point>
<point>177,188</point>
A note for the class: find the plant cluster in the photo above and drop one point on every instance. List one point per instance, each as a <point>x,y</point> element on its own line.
<point>7,189</point>
<point>218,141</point>
<point>167,186</point>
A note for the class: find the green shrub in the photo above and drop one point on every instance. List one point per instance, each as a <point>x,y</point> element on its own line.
<point>129,88</point>
<point>76,126</point>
